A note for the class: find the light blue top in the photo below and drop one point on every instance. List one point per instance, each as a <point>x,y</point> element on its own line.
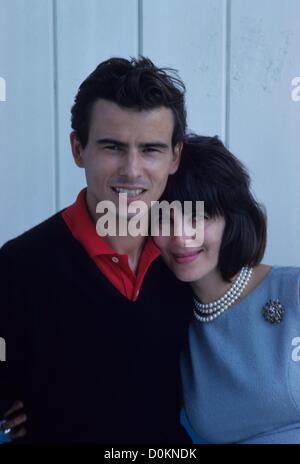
<point>241,373</point>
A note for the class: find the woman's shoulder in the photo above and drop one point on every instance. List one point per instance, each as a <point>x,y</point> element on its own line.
<point>262,270</point>
<point>284,271</point>
<point>286,277</point>
<point>264,275</point>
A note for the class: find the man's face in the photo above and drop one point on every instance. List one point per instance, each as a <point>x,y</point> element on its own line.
<point>128,151</point>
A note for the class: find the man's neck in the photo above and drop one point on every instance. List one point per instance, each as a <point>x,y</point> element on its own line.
<point>131,246</point>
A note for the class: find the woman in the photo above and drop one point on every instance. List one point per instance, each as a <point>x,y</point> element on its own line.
<point>241,365</point>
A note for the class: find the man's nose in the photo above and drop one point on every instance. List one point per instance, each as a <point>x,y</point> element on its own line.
<point>132,164</point>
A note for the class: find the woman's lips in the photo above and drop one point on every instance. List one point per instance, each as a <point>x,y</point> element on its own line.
<point>187,258</point>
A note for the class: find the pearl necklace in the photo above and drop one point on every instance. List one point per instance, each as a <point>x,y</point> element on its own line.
<point>209,311</point>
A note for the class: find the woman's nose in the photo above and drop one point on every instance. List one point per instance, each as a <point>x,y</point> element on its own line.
<point>182,228</point>
<point>184,235</point>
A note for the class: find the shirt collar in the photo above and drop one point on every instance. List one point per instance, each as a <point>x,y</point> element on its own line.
<point>83,229</point>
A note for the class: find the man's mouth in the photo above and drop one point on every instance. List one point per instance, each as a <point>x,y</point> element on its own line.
<point>130,192</point>
<point>183,258</point>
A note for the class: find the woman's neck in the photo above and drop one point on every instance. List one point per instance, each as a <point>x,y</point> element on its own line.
<point>211,287</point>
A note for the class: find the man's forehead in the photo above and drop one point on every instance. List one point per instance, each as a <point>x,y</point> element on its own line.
<point>111,120</point>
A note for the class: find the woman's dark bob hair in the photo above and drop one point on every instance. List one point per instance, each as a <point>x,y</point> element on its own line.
<point>209,172</point>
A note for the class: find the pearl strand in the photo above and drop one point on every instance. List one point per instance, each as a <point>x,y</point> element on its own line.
<point>216,308</point>
<point>209,308</point>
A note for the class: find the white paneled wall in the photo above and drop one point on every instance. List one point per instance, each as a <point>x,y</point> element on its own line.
<point>188,35</point>
<point>27,136</point>
<point>237,58</point>
<point>264,121</point>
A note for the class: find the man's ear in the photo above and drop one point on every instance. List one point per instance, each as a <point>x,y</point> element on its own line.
<point>76,150</point>
<point>176,157</point>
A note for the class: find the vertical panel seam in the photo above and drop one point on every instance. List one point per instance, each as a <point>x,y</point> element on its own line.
<point>226,70</point>
<point>55,104</point>
<point>140,28</point>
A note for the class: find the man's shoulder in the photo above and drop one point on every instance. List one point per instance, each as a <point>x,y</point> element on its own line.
<point>43,236</point>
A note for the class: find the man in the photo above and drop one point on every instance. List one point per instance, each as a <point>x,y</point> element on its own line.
<point>94,325</point>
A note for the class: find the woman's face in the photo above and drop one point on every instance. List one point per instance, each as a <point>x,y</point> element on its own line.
<point>190,264</point>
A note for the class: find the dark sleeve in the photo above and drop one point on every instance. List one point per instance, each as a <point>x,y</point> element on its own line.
<point>12,332</point>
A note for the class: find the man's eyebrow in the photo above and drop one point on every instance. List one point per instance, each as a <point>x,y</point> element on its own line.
<point>111,142</point>
<point>155,145</point>
<point>163,146</point>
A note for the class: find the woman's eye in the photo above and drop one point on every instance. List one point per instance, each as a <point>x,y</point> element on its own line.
<point>165,220</point>
<point>195,219</point>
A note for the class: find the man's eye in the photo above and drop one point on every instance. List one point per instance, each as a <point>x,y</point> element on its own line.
<point>150,149</point>
<point>113,147</point>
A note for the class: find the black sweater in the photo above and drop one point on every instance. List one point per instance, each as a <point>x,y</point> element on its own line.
<point>90,365</point>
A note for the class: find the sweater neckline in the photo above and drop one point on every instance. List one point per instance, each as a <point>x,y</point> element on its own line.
<point>257,288</point>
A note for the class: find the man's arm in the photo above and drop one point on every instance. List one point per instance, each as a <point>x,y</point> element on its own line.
<point>12,426</point>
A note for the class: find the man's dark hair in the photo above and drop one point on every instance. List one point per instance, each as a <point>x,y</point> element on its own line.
<point>136,84</point>
<point>209,172</point>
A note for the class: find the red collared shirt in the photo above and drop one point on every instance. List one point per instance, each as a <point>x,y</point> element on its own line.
<point>113,265</point>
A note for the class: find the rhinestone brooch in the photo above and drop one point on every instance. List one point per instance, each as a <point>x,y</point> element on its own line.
<point>273,311</point>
